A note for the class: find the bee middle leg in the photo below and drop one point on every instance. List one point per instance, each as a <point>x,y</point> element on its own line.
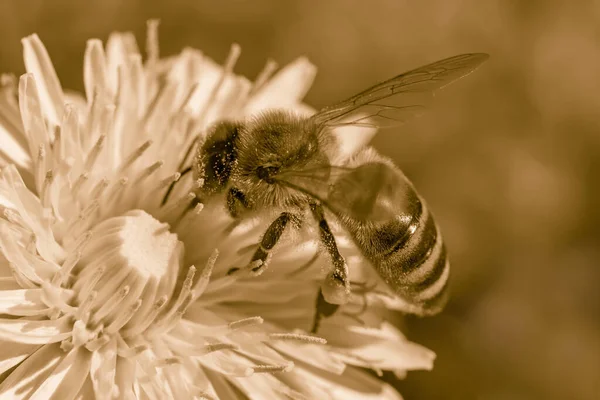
<point>335,289</point>
<point>261,256</point>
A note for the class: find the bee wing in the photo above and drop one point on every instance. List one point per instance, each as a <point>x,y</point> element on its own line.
<point>400,98</point>
<point>369,192</point>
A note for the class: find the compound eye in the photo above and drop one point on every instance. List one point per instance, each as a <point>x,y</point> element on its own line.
<point>267,172</point>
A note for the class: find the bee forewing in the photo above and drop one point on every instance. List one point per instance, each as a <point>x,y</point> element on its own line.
<point>398,99</point>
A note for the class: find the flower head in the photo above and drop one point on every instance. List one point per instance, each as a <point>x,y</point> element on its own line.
<point>107,291</point>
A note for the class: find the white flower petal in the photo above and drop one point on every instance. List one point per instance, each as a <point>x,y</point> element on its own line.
<point>31,211</point>
<point>22,302</point>
<point>31,373</point>
<point>220,386</point>
<point>304,388</point>
<point>310,354</point>
<point>102,370</point>
<point>95,70</point>
<point>87,391</point>
<point>350,139</point>
<point>352,384</point>
<point>14,146</point>
<point>384,348</point>
<point>287,87</point>
<point>175,375</point>
<point>30,104</point>
<point>35,332</point>
<point>7,281</point>
<point>13,353</point>
<point>32,267</point>
<point>125,378</point>
<point>260,387</point>
<point>37,62</point>
<point>119,48</point>
<point>12,136</point>
<point>264,291</point>
<point>67,378</point>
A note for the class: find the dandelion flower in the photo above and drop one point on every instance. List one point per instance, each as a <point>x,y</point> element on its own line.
<point>107,293</point>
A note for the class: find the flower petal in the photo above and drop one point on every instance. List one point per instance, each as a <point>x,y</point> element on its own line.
<point>384,348</point>
<point>12,136</point>
<point>352,384</point>
<point>125,378</point>
<point>31,373</point>
<point>31,266</point>
<point>297,383</point>
<point>103,368</point>
<point>30,104</point>
<point>37,61</point>
<point>350,139</point>
<point>67,378</point>
<point>119,48</point>
<point>22,302</point>
<point>286,88</point>
<point>87,391</point>
<point>261,386</point>
<point>316,355</point>
<point>13,353</point>
<point>95,70</point>
<point>31,211</point>
<point>7,280</point>
<point>221,386</point>
<point>35,332</point>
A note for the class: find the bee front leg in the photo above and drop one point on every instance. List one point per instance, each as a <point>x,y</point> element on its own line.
<point>336,287</point>
<point>262,255</point>
<point>237,202</point>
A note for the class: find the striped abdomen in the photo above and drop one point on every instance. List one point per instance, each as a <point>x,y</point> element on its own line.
<point>394,229</point>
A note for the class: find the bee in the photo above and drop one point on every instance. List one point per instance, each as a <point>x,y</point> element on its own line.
<point>280,160</point>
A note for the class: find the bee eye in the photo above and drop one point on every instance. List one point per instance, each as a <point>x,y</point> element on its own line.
<point>265,173</point>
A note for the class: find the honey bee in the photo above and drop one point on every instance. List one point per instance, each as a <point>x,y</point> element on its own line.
<point>280,160</point>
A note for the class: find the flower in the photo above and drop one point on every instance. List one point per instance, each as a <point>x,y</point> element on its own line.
<point>106,293</point>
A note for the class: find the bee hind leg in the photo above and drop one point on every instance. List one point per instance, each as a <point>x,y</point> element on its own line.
<point>262,255</point>
<point>336,286</point>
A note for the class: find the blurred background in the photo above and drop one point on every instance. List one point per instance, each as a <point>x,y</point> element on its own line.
<point>508,159</point>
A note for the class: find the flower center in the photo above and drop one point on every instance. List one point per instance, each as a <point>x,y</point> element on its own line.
<point>126,279</point>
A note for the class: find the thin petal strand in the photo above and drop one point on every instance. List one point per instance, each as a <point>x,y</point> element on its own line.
<point>31,373</point>
<point>37,61</point>
<point>67,378</point>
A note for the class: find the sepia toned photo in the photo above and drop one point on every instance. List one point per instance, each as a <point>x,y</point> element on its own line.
<point>299,200</point>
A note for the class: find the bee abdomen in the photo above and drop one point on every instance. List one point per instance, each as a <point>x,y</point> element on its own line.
<point>415,266</point>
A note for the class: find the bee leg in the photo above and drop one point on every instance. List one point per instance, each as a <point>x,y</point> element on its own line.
<point>172,186</point>
<point>336,287</point>
<point>237,202</point>
<point>324,310</point>
<point>261,256</point>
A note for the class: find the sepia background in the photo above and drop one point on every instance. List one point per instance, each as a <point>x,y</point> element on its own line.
<point>507,159</point>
